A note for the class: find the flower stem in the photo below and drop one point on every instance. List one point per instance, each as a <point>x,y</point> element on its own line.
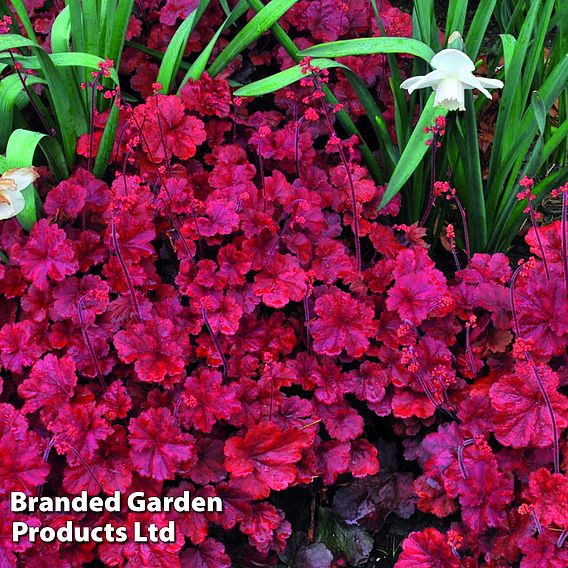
<point>538,239</point>
<point>93,86</point>
<point>465,229</point>
<point>461,463</point>
<point>216,342</point>
<point>120,258</point>
<point>554,425</point>
<point>432,197</point>
<point>564,237</point>
<point>48,129</point>
<point>469,350</point>
<point>351,186</point>
<point>299,123</point>
<point>307,320</point>
<point>88,342</point>
<point>261,172</point>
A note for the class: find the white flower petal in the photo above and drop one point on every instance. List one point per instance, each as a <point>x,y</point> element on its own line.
<point>453,61</point>
<point>21,176</point>
<point>491,83</point>
<point>472,82</point>
<point>430,80</point>
<point>450,94</point>
<point>11,205</point>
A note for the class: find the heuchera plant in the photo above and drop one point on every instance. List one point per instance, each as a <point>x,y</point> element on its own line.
<point>231,316</point>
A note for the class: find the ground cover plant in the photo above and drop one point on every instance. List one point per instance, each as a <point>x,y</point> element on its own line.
<point>238,259</point>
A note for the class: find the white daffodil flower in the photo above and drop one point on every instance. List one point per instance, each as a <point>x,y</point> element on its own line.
<point>12,183</point>
<point>452,76</point>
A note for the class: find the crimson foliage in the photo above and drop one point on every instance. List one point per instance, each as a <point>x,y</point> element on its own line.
<point>200,324</point>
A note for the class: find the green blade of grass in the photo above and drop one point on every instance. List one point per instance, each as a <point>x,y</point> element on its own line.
<point>198,66</point>
<point>414,152</point>
<point>455,18</point>
<point>370,46</point>
<point>473,197</point>
<point>259,24</point>
<point>174,53</point>
<point>10,88</point>
<point>504,137</point>
<point>106,144</point>
<point>283,79</point>
<point>115,42</point>
<point>525,132</point>
<point>22,12</point>
<point>72,59</point>
<point>478,27</point>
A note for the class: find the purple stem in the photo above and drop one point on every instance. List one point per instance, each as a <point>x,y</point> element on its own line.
<point>271,405</point>
<point>537,234</point>
<point>169,212</point>
<point>234,133</point>
<point>216,342</point>
<point>536,521</point>
<point>82,321</point>
<point>26,90</point>
<point>93,86</point>
<point>299,123</point>
<point>307,319</point>
<point>120,258</point>
<point>561,539</point>
<point>168,167</point>
<point>87,467</point>
<point>564,243</point>
<point>465,229</point>
<point>469,351</point>
<point>162,137</point>
<point>177,406</point>
<point>432,198</point>
<point>461,463</point>
<point>45,457</point>
<point>280,233</point>
<point>455,255</point>
<point>351,186</point>
<point>554,425</point>
<point>261,171</point>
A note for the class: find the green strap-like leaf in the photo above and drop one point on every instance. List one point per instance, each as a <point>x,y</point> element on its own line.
<point>455,19</point>
<point>22,12</point>
<point>72,59</point>
<point>370,46</point>
<point>260,24</point>
<point>107,143</point>
<point>198,66</point>
<point>61,31</point>
<point>478,27</point>
<point>505,136</point>
<point>172,58</point>
<point>539,111</point>
<point>473,195</point>
<point>283,79</point>
<point>10,88</point>
<point>414,152</point>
